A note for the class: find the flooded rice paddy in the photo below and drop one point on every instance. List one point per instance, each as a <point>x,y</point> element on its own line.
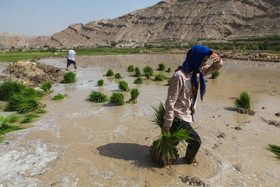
<point>79,143</point>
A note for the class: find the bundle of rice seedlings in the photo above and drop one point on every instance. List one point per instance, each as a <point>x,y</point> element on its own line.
<point>168,70</point>
<point>134,94</point>
<point>243,103</point>
<point>148,69</point>
<point>46,86</point>
<point>137,72</point>
<point>130,68</point>
<point>97,97</point>
<point>274,149</point>
<point>123,86</point>
<point>31,92</point>
<point>215,75</point>
<point>9,88</point>
<point>41,111</point>
<point>9,119</point>
<point>58,97</point>
<point>110,73</point>
<point>22,104</point>
<point>160,77</point>
<point>164,150</point>
<point>148,75</point>
<point>161,67</point>
<point>118,76</point>
<point>6,128</point>
<point>117,98</point>
<point>69,78</point>
<point>29,118</point>
<point>100,82</point>
<point>138,81</point>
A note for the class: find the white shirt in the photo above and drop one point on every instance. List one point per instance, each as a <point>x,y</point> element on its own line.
<point>71,55</point>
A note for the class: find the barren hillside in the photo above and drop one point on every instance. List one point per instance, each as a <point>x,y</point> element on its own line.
<point>178,19</point>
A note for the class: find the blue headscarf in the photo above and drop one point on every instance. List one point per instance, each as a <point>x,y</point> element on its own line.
<point>191,65</point>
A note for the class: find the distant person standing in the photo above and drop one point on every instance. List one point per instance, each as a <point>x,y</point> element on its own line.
<point>71,55</point>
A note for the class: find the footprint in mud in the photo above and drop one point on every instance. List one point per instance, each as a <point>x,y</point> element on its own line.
<point>193,181</point>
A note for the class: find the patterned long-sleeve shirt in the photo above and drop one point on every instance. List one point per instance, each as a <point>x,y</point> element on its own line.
<point>180,98</point>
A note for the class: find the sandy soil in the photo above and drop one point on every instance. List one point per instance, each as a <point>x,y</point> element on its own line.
<point>79,143</point>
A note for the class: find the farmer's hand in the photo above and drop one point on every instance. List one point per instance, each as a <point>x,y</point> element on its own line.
<point>165,129</point>
<point>215,57</point>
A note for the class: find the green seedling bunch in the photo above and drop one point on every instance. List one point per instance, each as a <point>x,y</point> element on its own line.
<point>118,76</point>
<point>138,81</point>
<point>97,97</point>
<point>100,82</point>
<point>148,69</point>
<point>117,99</point>
<point>161,67</point>
<point>137,72</point>
<point>244,104</point>
<point>123,85</point>
<point>59,97</point>
<point>215,75</point>
<point>134,94</point>
<point>69,78</point>
<point>130,68</point>
<point>160,77</point>
<point>46,86</point>
<point>110,73</point>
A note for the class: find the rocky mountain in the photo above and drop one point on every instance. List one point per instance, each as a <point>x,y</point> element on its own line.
<point>8,40</point>
<point>178,19</point>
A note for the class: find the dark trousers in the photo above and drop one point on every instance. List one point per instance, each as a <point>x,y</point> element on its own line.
<point>193,145</point>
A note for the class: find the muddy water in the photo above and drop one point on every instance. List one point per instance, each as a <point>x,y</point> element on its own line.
<point>78,143</point>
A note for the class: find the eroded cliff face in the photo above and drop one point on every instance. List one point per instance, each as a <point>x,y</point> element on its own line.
<point>8,40</point>
<point>178,19</point>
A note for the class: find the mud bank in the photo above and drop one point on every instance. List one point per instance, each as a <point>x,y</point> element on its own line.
<point>79,143</point>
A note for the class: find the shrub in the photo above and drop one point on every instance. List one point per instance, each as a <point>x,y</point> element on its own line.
<point>134,94</point>
<point>148,69</point>
<point>117,98</point>
<point>97,97</point>
<point>274,149</point>
<point>123,86</point>
<point>110,73</point>
<point>164,150</point>
<point>138,81</point>
<point>118,76</point>
<point>46,86</point>
<point>137,72</point>
<point>22,104</point>
<point>130,68</point>
<point>215,75</point>
<point>161,67</point>
<point>58,97</point>
<point>100,82</point>
<point>168,70</point>
<point>160,77</point>
<point>69,78</point>
<point>9,88</point>
<point>148,75</point>
<point>243,103</point>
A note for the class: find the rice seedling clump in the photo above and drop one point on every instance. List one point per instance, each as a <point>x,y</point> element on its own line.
<point>168,70</point>
<point>274,149</point>
<point>130,68</point>
<point>148,69</point>
<point>215,75</point>
<point>160,77</point>
<point>110,73</point>
<point>134,94</point>
<point>58,97</point>
<point>118,76</point>
<point>29,118</point>
<point>100,82</point>
<point>9,88</point>
<point>22,104</point>
<point>97,97</point>
<point>164,150</point>
<point>123,86</point>
<point>69,78</point>
<point>243,103</point>
<point>148,75</point>
<point>161,67</point>
<point>138,81</point>
<point>137,72</point>
<point>46,86</point>
<point>117,98</point>
<point>5,126</point>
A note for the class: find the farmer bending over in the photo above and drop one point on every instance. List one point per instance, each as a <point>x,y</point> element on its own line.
<point>182,93</point>
<point>71,59</point>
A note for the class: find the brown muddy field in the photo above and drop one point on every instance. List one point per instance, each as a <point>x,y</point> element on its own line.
<point>78,143</point>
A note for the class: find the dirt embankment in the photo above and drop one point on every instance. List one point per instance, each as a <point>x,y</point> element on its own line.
<point>33,73</point>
